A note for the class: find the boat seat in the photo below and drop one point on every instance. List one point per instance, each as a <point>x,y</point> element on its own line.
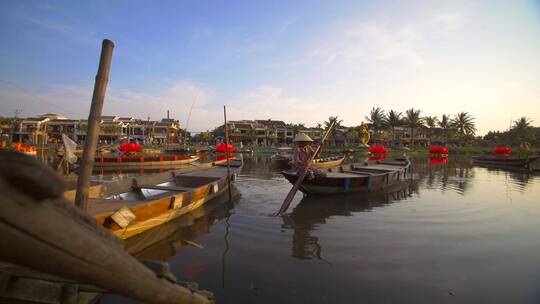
<point>373,168</point>
<point>359,172</point>
<point>391,163</point>
<point>165,188</point>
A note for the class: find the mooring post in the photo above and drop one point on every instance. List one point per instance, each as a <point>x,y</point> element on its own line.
<point>226,129</point>
<point>94,118</point>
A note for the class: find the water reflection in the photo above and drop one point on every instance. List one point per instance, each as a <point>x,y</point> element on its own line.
<point>167,240</point>
<point>452,174</point>
<point>313,211</point>
<point>451,229</point>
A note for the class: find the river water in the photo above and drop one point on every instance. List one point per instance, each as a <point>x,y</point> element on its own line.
<point>455,234</point>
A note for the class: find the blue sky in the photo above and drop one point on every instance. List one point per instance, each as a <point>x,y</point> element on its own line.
<point>297,61</point>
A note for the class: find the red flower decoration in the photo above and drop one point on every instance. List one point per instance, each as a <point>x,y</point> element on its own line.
<point>438,150</point>
<point>502,151</point>
<point>378,150</point>
<point>222,148</point>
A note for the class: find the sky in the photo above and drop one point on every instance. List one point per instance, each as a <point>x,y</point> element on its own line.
<point>297,61</point>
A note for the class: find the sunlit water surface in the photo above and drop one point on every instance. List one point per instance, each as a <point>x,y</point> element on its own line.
<point>455,234</point>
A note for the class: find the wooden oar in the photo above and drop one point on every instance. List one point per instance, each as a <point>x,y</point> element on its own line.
<point>290,195</point>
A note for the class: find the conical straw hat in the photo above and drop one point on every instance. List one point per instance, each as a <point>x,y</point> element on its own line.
<point>302,137</point>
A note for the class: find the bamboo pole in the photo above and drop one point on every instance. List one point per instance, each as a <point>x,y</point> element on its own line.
<point>94,118</point>
<point>226,129</point>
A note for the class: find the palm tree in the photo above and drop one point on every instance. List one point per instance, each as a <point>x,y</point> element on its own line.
<point>393,120</point>
<point>413,121</point>
<point>251,135</point>
<point>377,119</point>
<point>296,128</point>
<point>352,135</point>
<point>464,123</point>
<point>445,125</point>
<point>521,129</point>
<point>337,124</point>
<point>271,136</point>
<point>431,123</point>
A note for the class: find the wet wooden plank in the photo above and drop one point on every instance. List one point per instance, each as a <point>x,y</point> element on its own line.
<point>166,188</point>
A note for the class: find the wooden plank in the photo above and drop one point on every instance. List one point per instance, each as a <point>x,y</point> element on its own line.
<point>375,168</point>
<point>166,188</point>
<point>359,172</point>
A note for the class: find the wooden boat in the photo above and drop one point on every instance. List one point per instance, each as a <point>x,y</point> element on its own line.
<point>42,231</point>
<point>148,205</point>
<point>514,162</point>
<point>164,241</point>
<point>327,162</point>
<point>144,161</point>
<point>355,177</point>
<point>283,157</point>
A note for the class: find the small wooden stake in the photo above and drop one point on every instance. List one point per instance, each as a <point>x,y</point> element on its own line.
<point>94,118</point>
<point>227,151</point>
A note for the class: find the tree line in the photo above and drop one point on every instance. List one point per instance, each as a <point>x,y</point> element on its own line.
<point>383,125</point>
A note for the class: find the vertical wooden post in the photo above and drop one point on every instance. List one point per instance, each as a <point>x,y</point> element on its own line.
<point>226,129</point>
<point>94,118</point>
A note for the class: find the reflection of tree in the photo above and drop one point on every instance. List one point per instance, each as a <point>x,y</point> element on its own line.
<point>518,177</point>
<point>455,175</point>
<point>312,212</point>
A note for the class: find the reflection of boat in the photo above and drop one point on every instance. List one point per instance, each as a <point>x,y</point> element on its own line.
<point>312,211</point>
<point>148,205</point>
<point>164,241</point>
<point>355,177</point>
<point>144,161</point>
<point>516,162</point>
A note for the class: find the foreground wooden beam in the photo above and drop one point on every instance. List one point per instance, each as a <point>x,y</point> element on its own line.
<point>92,134</point>
<point>47,233</point>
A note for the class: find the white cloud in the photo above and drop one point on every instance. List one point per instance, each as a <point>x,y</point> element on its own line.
<point>270,102</point>
<point>448,21</point>
<point>74,101</point>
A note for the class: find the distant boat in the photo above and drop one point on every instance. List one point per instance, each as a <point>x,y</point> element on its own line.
<point>283,157</point>
<point>514,162</point>
<point>327,162</point>
<point>355,177</point>
<point>144,161</point>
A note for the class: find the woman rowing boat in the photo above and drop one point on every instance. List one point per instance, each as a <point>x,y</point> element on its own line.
<point>302,154</point>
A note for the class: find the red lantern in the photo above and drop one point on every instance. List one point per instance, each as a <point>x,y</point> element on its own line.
<point>438,160</point>
<point>506,151</point>
<point>127,148</point>
<point>379,157</point>
<point>378,150</point>
<point>438,150</point>
<point>223,148</point>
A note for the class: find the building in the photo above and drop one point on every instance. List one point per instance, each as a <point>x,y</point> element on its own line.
<point>263,132</point>
<point>50,127</point>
